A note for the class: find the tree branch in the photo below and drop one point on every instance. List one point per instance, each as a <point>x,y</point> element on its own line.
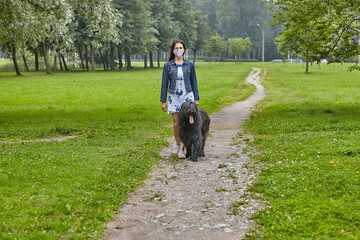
<point>38,6</point>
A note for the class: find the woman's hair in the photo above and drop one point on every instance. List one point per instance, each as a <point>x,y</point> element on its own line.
<point>172,55</point>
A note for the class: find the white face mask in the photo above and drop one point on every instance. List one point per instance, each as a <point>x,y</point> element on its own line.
<point>178,52</point>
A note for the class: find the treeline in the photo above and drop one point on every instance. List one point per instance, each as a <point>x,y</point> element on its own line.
<point>241,19</point>
<point>96,31</point>
<point>110,32</point>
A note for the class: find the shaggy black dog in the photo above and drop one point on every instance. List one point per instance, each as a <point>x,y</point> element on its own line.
<point>194,125</point>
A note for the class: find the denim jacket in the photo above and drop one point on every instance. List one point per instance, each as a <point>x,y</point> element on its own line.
<point>170,75</point>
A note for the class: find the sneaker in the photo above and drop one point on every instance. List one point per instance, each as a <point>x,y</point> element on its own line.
<point>181,154</point>
<point>176,150</point>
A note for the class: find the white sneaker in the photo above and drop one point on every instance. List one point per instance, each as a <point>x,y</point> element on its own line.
<point>176,150</point>
<point>181,154</point>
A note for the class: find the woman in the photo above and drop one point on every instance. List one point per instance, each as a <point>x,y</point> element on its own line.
<point>179,80</point>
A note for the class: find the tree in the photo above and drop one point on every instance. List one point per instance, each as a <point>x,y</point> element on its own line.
<point>239,18</point>
<point>166,28</point>
<point>149,40</point>
<point>52,18</point>
<point>238,46</point>
<point>247,45</point>
<point>18,28</point>
<point>185,18</point>
<point>97,25</point>
<point>202,32</point>
<point>207,8</point>
<point>135,28</point>
<point>318,29</point>
<point>216,46</point>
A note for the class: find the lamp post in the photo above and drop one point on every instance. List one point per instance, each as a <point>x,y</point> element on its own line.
<point>263,42</point>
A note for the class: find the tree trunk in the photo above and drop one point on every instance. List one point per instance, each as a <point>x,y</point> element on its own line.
<point>102,59</point>
<point>151,59</point>
<point>36,60</point>
<point>81,57</point>
<point>86,58</point>
<point>194,55</point>
<point>46,57</point>
<point>25,63</point>
<point>307,65</point>
<point>112,57</point>
<point>60,63</point>
<point>128,61</point>
<point>92,55</point>
<point>120,56</point>
<point>65,66</point>
<point>158,59</point>
<point>106,60</point>
<point>145,61</point>
<point>55,63</point>
<point>16,66</point>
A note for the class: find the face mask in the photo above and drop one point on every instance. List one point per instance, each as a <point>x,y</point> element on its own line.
<point>178,52</point>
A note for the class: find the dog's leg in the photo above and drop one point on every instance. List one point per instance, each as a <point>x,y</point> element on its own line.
<point>197,150</point>
<point>202,144</point>
<point>188,149</point>
<point>202,151</point>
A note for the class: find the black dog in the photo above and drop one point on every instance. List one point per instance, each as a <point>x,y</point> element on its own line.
<point>194,125</point>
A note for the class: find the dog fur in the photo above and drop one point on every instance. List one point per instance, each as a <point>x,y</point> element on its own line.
<point>194,125</point>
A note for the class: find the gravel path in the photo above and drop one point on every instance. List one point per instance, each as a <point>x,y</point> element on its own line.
<point>197,200</point>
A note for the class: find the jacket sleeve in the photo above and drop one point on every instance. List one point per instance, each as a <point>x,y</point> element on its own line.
<point>164,83</point>
<point>193,82</point>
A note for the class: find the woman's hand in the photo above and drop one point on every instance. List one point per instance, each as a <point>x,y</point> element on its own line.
<point>163,106</point>
<point>196,102</point>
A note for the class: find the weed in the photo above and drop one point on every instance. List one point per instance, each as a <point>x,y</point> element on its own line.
<point>235,207</point>
<point>220,190</point>
<point>221,165</point>
<point>233,177</point>
<point>236,155</point>
<point>207,205</point>
<point>157,197</point>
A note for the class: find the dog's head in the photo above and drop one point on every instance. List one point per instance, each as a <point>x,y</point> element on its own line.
<point>189,110</point>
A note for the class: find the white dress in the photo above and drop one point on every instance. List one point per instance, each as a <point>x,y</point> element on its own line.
<point>180,96</point>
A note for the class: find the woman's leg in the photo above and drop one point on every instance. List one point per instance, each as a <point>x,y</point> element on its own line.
<point>175,118</point>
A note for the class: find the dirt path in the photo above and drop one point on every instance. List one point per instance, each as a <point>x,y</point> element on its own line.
<point>197,200</point>
<point>54,139</point>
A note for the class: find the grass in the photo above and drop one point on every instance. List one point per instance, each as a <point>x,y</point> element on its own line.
<point>307,135</point>
<point>71,189</point>
<point>3,62</point>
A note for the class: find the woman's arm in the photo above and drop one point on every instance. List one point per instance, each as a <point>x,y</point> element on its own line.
<point>164,83</point>
<point>193,82</point>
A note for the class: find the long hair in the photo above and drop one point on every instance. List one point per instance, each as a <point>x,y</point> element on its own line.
<point>172,55</point>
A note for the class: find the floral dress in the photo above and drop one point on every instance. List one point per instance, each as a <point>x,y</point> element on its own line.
<point>180,96</point>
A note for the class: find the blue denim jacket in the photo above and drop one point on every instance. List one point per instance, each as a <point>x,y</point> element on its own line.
<point>170,75</point>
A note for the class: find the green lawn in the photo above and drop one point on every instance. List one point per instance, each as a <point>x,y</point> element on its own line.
<point>307,135</point>
<point>70,189</point>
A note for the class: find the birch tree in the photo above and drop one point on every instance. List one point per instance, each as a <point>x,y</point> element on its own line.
<point>18,28</point>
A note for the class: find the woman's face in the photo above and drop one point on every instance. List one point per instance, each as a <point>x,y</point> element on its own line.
<point>179,46</point>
